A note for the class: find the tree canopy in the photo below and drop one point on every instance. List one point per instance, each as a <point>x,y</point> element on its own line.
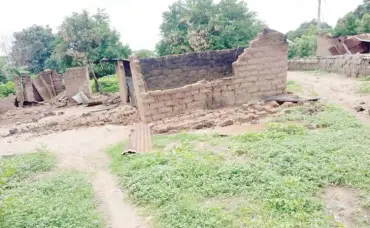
<point>199,25</point>
<point>32,47</point>
<point>144,53</point>
<point>355,22</point>
<point>304,38</point>
<point>86,39</point>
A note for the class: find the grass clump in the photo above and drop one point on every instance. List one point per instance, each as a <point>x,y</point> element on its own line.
<point>364,88</point>
<point>62,199</point>
<point>294,87</point>
<point>366,78</point>
<point>277,185</point>
<point>108,84</point>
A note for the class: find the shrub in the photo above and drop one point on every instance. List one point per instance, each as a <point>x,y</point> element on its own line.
<point>6,89</point>
<point>108,84</point>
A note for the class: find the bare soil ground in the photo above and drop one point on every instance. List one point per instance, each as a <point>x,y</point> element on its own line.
<point>336,89</point>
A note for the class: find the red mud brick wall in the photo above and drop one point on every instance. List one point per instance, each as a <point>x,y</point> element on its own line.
<point>76,80</point>
<point>175,71</point>
<point>261,70</point>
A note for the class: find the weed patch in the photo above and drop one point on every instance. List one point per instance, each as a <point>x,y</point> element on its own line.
<point>364,88</point>
<point>277,186</point>
<point>57,200</point>
<point>294,87</point>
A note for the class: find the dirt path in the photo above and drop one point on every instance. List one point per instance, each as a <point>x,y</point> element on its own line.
<point>335,88</point>
<point>83,150</point>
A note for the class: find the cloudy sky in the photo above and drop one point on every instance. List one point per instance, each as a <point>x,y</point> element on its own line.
<point>138,20</point>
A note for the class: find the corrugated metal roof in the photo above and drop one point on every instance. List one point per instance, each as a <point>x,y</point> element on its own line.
<point>140,140</point>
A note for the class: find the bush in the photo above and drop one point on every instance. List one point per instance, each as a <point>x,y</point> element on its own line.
<point>6,89</point>
<point>108,84</point>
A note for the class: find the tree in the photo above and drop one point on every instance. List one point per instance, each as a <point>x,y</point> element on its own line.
<point>355,21</point>
<point>304,27</point>
<point>86,39</point>
<point>32,47</point>
<point>144,53</point>
<point>363,25</point>
<point>199,25</point>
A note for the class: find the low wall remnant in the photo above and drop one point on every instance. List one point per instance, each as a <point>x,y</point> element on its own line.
<point>349,65</point>
<point>76,80</point>
<point>260,70</point>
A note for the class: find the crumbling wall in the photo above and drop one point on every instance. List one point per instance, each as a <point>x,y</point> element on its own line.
<point>261,70</point>
<point>349,65</point>
<point>179,70</point>
<point>76,80</point>
<point>53,80</point>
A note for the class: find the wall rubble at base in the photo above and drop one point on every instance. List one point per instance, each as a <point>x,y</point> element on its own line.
<point>261,70</point>
<point>349,65</point>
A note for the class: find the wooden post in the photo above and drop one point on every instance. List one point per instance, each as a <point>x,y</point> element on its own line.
<point>122,81</point>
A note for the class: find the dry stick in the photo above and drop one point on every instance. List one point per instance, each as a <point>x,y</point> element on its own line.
<point>97,86</point>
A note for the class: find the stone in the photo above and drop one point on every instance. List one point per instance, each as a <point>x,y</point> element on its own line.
<point>52,124</point>
<point>270,110</point>
<point>273,104</point>
<point>206,124</point>
<point>60,113</point>
<point>262,113</point>
<point>13,131</point>
<point>359,108</point>
<point>226,123</point>
<point>161,129</point>
<point>362,102</point>
<point>287,104</point>
<point>86,114</point>
<point>246,118</point>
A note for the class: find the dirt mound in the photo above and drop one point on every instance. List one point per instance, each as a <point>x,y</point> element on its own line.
<point>249,113</point>
<point>120,115</point>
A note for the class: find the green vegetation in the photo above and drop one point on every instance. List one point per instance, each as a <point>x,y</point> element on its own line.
<point>294,87</point>
<point>274,182</point>
<point>144,53</point>
<point>304,41</point>
<point>364,88</point>
<point>108,84</point>
<point>355,22</point>
<point>28,199</point>
<point>366,78</point>
<point>6,89</point>
<point>199,25</point>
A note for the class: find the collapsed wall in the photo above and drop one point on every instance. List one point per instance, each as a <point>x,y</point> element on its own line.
<point>77,79</point>
<point>179,70</point>
<point>349,65</point>
<point>261,70</point>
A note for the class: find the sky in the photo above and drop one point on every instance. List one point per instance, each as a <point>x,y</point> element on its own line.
<point>138,21</point>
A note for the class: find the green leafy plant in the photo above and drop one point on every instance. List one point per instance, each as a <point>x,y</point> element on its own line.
<point>275,182</point>
<point>108,84</point>
<point>6,89</point>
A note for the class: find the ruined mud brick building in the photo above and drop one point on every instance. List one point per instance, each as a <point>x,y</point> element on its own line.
<point>350,65</point>
<point>49,84</point>
<point>171,85</point>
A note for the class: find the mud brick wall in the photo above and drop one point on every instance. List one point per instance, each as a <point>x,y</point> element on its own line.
<point>28,88</point>
<point>261,70</point>
<point>179,70</point>
<point>348,65</point>
<point>76,80</point>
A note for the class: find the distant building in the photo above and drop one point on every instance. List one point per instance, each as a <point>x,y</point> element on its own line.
<point>328,46</point>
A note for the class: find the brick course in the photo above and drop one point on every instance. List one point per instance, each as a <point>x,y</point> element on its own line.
<point>260,70</point>
<point>349,65</point>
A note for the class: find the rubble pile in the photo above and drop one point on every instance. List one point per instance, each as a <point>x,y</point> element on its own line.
<point>122,115</point>
<point>249,113</point>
